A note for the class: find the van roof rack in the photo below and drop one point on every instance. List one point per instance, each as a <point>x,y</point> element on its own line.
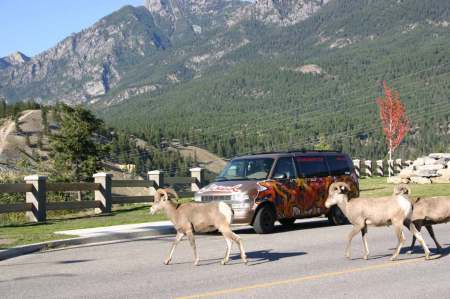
<point>302,150</point>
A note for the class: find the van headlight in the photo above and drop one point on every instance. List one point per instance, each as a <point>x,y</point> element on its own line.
<point>241,205</point>
<point>240,197</point>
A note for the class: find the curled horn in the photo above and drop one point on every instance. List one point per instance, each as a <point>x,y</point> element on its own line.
<point>159,193</point>
<point>171,191</point>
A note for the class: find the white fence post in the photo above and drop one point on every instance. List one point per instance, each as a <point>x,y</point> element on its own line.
<point>37,197</point>
<point>398,165</point>
<point>380,168</point>
<point>104,195</point>
<point>357,165</point>
<point>390,167</point>
<point>158,177</point>
<point>368,168</point>
<point>197,173</point>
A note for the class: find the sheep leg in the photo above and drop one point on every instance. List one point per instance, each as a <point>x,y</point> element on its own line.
<point>430,230</point>
<point>353,233</point>
<point>411,248</point>
<point>232,236</point>
<point>417,234</point>
<point>401,239</point>
<point>191,239</point>
<point>227,252</point>
<point>178,238</point>
<point>364,237</point>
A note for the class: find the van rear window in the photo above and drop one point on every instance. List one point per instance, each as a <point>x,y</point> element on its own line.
<point>311,166</point>
<point>338,165</point>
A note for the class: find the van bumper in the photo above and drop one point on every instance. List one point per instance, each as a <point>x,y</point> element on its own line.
<point>243,216</point>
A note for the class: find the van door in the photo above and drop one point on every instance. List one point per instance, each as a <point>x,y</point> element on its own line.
<point>312,183</point>
<point>284,174</point>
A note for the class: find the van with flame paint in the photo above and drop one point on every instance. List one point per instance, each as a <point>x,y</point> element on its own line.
<point>281,186</point>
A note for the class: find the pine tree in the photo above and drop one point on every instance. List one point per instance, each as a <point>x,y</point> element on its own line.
<point>75,152</point>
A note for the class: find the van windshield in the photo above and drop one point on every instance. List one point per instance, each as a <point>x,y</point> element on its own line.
<point>246,169</point>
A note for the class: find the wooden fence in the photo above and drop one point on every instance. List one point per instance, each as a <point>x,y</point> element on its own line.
<point>36,188</point>
<point>371,168</point>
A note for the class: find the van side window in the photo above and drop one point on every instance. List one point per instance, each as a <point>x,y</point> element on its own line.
<point>284,169</point>
<point>338,165</point>
<point>311,166</point>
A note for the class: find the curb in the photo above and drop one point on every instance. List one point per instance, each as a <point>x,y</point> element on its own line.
<point>27,249</point>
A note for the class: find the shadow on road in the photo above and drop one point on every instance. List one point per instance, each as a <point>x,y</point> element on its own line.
<point>437,254</point>
<point>73,261</point>
<point>286,228</point>
<point>265,256</point>
<point>39,277</point>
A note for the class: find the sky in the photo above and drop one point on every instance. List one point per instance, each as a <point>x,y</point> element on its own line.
<point>33,26</point>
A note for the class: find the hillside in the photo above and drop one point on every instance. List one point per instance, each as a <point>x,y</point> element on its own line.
<point>237,77</point>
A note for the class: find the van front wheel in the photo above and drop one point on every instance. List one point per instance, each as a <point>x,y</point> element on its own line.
<point>264,220</point>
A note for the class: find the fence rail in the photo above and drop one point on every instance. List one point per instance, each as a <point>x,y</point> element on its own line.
<point>15,188</point>
<point>66,187</point>
<point>37,187</point>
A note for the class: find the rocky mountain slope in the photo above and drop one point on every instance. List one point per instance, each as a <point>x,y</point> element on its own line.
<point>140,50</point>
<point>249,76</point>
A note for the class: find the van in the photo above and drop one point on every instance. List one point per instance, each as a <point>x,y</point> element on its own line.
<point>281,186</point>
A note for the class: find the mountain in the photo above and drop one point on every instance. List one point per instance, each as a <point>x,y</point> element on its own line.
<point>141,50</point>
<point>238,76</point>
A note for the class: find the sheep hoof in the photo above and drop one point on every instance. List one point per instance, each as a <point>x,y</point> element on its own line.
<point>393,258</point>
<point>366,257</point>
<point>223,262</point>
<point>427,257</point>
<point>166,262</point>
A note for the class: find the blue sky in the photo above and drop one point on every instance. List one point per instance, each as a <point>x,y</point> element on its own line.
<point>32,26</point>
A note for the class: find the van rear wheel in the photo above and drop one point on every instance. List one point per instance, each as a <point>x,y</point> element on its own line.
<point>336,217</point>
<point>264,220</point>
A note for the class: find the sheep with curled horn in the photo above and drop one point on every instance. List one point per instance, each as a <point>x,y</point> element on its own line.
<point>193,217</point>
<point>361,212</point>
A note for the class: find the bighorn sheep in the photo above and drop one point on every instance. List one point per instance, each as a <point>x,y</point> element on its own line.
<point>362,212</point>
<point>197,217</point>
<point>428,211</point>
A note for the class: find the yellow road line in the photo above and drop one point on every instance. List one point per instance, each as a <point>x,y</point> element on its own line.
<point>301,279</point>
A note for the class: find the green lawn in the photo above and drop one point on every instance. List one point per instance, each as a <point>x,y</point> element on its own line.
<point>19,234</point>
<point>375,187</point>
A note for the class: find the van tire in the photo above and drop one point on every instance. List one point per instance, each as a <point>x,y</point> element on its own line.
<point>264,220</point>
<point>336,217</point>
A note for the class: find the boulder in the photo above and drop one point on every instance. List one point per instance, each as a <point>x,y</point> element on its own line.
<point>444,172</point>
<point>440,180</point>
<point>430,167</point>
<point>420,180</point>
<point>445,156</point>
<point>406,173</point>
<point>430,161</point>
<point>419,162</point>
<point>426,173</point>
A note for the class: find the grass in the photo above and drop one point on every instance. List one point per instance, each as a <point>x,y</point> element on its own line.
<point>375,187</point>
<point>19,234</point>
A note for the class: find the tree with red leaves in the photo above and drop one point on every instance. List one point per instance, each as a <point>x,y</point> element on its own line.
<point>393,119</point>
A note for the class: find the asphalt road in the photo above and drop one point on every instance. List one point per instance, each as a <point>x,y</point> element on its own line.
<point>306,261</point>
